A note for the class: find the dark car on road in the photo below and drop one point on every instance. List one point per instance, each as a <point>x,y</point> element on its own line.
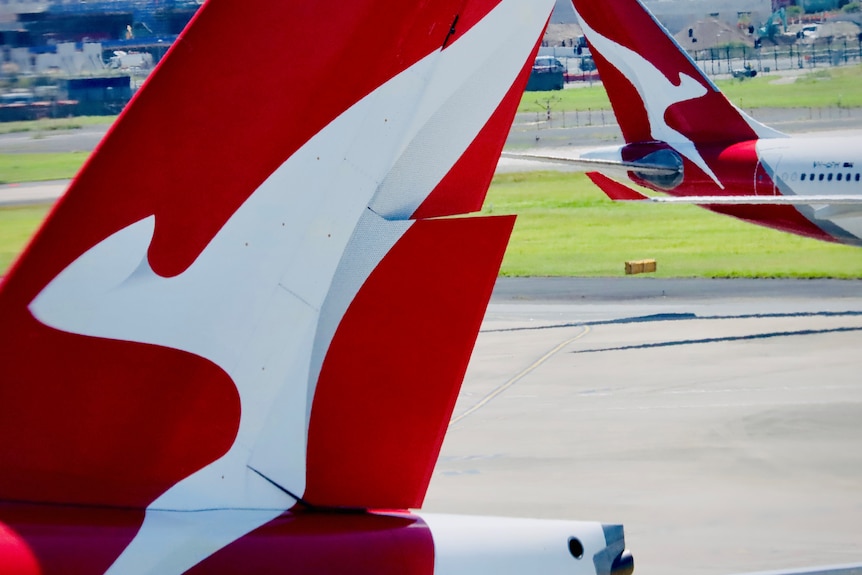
<point>547,74</point>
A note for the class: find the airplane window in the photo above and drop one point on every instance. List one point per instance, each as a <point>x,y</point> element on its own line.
<point>857,177</point>
<point>802,177</point>
<point>811,177</point>
<point>839,176</point>
<point>829,178</point>
<point>821,177</point>
<point>848,177</point>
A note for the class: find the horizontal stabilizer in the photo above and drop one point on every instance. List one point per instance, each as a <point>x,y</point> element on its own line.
<point>616,191</point>
<point>616,167</point>
<point>622,193</point>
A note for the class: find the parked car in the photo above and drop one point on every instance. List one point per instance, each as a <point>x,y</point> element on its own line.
<point>547,74</point>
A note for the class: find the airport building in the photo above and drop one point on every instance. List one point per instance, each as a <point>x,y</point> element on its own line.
<point>47,22</point>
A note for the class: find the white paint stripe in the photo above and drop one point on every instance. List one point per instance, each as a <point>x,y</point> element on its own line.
<point>479,70</point>
<point>656,92</point>
<point>257,317</point>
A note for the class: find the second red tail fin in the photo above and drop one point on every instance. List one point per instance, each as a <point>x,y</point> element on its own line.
<point>658,93</point>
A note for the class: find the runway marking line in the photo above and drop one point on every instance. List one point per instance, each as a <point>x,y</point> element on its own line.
<point>532,367</point>
<point>725,339</point>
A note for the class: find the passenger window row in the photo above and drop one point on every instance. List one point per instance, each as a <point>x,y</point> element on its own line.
<point>828,177</point>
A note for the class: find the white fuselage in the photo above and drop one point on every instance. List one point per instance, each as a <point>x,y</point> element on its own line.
<point>821,166</point>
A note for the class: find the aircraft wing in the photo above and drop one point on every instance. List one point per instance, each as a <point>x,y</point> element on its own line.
<point>618,168</point>
<point>621,192</point>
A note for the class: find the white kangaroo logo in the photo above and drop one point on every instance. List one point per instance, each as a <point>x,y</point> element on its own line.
<point>264,297</point>
<point>656,92</point>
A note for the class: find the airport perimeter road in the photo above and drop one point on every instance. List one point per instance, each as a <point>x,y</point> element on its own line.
<point>529,130</point>
<point>594,129</point>
<point>78,140</point>
<point>32,193</point>
<point>719,420</point>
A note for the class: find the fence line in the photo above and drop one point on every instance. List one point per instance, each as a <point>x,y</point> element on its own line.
<point>717,61</point>
<point>549,119</point>
<point>725,60</point>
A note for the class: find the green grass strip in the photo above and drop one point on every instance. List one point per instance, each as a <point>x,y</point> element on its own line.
<point>17,225</point>
<point>40,167</point>
<point>567,227</point>
<point>821,88</point>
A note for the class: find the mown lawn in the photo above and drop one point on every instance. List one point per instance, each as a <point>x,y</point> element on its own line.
<point>823,88</point>
<point>567,227</point>
<point>40,167</point>
<point>17,225</point>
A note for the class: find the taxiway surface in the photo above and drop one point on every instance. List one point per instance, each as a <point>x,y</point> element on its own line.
<point>719,420</point>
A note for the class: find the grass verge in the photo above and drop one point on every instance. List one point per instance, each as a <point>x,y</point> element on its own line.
<point>832,87</point>
<point>567,227</point>
<point>17,225</point>
<point>824,88</point>
<point>40,167</point>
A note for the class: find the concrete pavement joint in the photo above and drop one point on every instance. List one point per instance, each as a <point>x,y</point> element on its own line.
<point>532,367</point>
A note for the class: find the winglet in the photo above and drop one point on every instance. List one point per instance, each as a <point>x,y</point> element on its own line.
<point>614,190</point>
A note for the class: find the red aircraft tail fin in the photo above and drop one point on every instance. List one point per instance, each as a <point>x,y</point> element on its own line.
<point>658,93</point>
<point>263,312</point>
<point>412,132</point>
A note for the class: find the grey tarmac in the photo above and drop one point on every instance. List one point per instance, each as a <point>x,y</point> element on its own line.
<point>32,193</point>
<point>719,420</point>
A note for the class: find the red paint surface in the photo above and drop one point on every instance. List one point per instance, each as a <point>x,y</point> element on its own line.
<point>59,540</point>
<point>782,218</point>
<point>69,540</point>
<point>470,13</point>
<point>89,421</point>
<point>463,189</point>
<point>315,543</point>
<point>16,557</point>
<point>92,421</point>
<point>735,165</point>
<point>720,133</point>
<point>709,119</point>
<point>390,379</point>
